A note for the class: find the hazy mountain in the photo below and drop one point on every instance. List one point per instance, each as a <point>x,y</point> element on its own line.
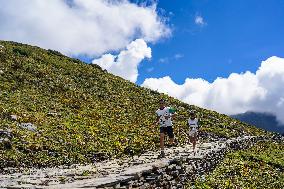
<point>265,121</point>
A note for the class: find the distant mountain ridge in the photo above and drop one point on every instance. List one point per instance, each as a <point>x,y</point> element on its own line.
<point>262,120</point>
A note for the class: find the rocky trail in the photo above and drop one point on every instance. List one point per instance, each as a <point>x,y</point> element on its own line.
<point>178,168</point>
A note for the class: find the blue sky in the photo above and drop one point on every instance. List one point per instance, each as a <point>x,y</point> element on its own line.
<point>237,36</point>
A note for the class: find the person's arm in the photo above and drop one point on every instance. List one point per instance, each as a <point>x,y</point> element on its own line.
<point>197,122</point>
<point>157,120</point>
<point>174,116</point>
<point>188,123</point>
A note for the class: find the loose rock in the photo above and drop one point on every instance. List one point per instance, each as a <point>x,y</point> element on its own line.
<point>29,126</point>
<point>14,117</point>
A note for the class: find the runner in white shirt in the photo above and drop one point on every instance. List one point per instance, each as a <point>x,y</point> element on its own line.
<point>193,129</point>
<point>165,116</point>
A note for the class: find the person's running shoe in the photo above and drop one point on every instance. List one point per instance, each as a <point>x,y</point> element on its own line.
<point>162,155</point>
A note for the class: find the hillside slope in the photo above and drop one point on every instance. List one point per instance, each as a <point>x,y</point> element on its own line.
<point>76,111</point>
<point>261,166</point>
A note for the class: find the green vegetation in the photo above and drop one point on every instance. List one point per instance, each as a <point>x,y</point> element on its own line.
<point>81,110</point>
<point>261,166</point>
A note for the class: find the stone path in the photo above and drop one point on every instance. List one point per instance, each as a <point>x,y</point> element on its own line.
<point>179,167</point>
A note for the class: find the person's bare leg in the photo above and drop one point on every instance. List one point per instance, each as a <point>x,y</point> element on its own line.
<point>162,145</point>
<point>171,140</point>
<point>194,143</point>
<point>162,141</point>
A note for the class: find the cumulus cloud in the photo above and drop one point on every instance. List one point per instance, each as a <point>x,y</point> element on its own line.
<point>262,91</point>
<point>126,63</point>
<point>199,21</point>
<point>80,27</point>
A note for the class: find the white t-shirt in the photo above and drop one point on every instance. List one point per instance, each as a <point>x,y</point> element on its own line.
<point>193,124</point>
<point>163,114</point>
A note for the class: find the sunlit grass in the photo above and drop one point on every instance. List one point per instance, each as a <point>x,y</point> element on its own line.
<point>81,110</point>
<point>261,166</point>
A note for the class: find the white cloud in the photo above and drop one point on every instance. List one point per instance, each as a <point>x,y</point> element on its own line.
<point>178,56</point>
<point>126,63</point>
<point>262,91</point>
<point>74,27</point>
<point>199,21</point>
<point>171,58</point>
<point>164,60</point>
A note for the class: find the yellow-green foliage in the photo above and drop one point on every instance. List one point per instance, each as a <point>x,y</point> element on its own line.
<point>96,111</point>
<point>261,166</point>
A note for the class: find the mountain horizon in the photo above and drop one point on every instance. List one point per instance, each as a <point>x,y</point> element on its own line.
<point>264,120</point>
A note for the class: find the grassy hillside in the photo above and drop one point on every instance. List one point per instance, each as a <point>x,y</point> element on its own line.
<point>261,166</point>
<point>81,110</point>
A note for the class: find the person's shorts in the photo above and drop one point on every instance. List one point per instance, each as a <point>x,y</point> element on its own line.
<point>193,133</point>
<point>167,130</point>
